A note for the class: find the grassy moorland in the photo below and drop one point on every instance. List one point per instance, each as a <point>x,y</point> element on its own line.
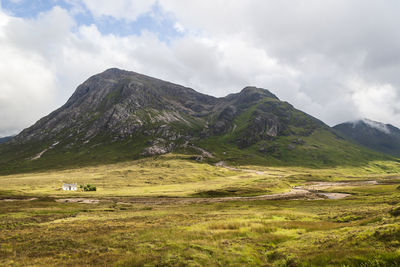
<point>178,175</point>
<point>171,175</point>
<point>360,230</point>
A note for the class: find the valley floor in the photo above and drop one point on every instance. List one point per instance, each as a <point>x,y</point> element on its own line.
<point>171,211</point>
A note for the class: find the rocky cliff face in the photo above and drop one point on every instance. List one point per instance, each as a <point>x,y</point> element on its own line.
<point>121,104</point>
<point>374,135</point>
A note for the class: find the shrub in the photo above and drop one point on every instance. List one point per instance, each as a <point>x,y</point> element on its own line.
<point>395,211</point>
<point>89,187</point>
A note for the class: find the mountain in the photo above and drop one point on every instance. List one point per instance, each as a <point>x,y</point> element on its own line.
<point>120,115</point>
<point>374,135</point>
<point>5,139</point>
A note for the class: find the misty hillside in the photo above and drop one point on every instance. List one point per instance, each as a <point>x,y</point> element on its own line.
<point>5,139</point>
<point>374,135</point>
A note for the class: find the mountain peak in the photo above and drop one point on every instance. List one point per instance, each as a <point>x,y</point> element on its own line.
<point>384,128</point>
<point>114,70</point>
<point>252,90</point>
<point>377,125</point>
<point>116,73</point>
<point>372,134</point>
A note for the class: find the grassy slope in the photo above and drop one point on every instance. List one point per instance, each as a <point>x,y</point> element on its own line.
<point>93,153</point>
<point>321,149</point>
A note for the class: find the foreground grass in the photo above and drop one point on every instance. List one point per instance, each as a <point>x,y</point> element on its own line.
<point>354,232</point>
<point>361,230</point>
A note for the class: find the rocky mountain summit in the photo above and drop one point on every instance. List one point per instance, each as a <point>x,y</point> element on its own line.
<point>121,105</point>
<point>120,115</point>
<point>372,134</point>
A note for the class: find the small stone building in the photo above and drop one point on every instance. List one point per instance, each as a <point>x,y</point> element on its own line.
<point>70,187</point>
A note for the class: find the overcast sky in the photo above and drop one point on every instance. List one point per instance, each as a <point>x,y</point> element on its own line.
<point>337,60</point>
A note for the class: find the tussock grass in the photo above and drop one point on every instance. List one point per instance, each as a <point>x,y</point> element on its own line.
<point>357,231</point>
<point>163,176</point>
<point>45,232</point>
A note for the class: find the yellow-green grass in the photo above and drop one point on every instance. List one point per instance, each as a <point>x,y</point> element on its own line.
<point>356,232</point>
<point>164,176</point>
<point>177,175</point>
<point>373,170</point>
<point>360,230</point>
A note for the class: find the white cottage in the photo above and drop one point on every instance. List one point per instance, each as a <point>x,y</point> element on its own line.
<point>70,187</point>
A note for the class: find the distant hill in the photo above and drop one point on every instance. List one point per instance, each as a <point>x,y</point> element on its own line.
<point>5,139</point>
<point>120,115</point>
<point>374,135</point>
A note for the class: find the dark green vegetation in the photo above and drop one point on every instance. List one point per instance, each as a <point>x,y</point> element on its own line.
<point>120,116</point>
<point>88,187</point>
<point>395,211</point>
<point>377,136</point>
<point>362,230</point>
<point>16,158</point>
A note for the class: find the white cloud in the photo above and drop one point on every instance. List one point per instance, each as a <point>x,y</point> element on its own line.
<point>179,27</point>
<point>377,125</point>
<point>123,9</point>
<point>380,102</point>
<point>328,44</point>
<point>27,82</point>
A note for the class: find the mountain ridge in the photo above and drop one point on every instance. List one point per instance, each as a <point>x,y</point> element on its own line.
<point>121,115</point>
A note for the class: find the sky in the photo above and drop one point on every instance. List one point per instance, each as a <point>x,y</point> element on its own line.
<point>338,60</point>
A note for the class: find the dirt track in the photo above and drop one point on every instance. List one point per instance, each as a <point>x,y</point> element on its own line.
<point>17,199</point>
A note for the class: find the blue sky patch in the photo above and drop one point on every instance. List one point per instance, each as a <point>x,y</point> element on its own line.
<point>156,21</point>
